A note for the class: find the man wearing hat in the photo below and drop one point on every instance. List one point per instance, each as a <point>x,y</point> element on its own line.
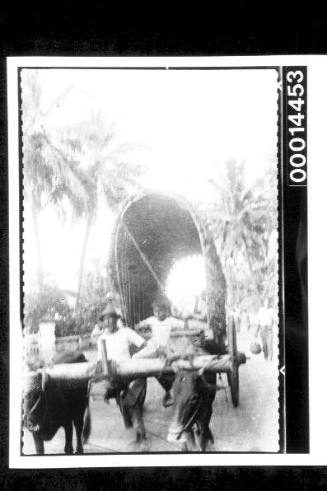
<point>118,341</point>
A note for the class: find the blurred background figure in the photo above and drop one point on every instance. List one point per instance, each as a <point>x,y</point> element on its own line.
<point>113,301</point>
<point>244,321</point>
<point>266,324</point>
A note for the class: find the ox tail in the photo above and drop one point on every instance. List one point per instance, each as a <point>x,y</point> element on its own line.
<point>87,425</point>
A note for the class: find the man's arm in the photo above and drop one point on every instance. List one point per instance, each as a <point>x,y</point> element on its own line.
<point>139,348</point>
<point>198,316</point>
<point>135,340</point>
<point>177,323</point>
<point>145,323</point>
<point>144,328</point>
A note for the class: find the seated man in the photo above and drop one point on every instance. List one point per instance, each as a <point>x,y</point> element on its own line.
<point>118,342</point>
<point>161,325</point>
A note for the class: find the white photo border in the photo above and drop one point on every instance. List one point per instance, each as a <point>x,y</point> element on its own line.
<point>316,65</point>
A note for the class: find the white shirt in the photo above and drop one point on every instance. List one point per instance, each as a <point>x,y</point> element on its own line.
<point>161,329</point>
<point>266,316</point>
<point>118,344</point>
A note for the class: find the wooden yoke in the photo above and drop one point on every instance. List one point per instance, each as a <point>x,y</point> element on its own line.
<point>143,367</point>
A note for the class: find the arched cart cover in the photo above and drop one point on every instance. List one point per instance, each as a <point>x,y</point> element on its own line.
<point>151,233</point>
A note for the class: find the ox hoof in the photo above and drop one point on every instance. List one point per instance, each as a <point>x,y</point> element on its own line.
<point>143,446</point>
<point>184,447</point>
<point>140,437</point>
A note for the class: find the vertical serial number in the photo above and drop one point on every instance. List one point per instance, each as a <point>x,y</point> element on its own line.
<point>296,119</point>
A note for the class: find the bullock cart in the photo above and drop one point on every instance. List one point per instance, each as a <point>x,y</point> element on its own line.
<point>227,363</point>
<point>151,233</point>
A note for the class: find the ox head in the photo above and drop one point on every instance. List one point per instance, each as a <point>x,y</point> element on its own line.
<point>34,401</point>
<point>190,392</point>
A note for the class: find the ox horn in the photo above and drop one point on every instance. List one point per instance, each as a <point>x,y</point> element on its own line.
<point>45,379</point>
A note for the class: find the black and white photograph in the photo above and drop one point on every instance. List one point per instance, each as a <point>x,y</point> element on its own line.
<point>158,226</point>
<point>150,260</point>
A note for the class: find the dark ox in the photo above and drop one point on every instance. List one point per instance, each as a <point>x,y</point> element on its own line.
<point>193,395</point>
<point>51,403</point>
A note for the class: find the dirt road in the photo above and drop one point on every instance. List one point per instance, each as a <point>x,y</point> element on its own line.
<point>251,427</point>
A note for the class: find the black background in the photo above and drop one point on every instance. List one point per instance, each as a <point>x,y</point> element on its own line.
<point>295,306</point>
<point>93,28</point>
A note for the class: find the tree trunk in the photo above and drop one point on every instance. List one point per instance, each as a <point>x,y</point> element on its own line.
<point>40,272</point>
<point>215,291</point>
<point>82,262</point>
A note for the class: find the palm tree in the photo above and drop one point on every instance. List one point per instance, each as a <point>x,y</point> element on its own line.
<point>49,176</point>
<point>104,168</point>
<point>242,220</point>
<point>71,165</point>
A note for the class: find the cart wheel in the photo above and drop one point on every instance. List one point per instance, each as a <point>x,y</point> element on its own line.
<point>232,376</point>
<point>234,385</point>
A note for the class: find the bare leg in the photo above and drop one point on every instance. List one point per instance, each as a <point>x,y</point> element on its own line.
<point>166,382</point>
<point>264,343</point>
<point>270,345</point>
<point>138,423</point>
<point>149,351</point>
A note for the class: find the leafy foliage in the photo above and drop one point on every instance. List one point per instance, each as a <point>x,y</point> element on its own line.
<point>71,166</point>
<point>52,302</point>
<point>49,175</point>
<point>243,221</point>
<point>74,163</point>
<point>93,298</point>
<point>101,159</point>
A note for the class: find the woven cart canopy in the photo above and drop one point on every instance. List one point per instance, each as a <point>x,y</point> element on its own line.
<point>151,233</point>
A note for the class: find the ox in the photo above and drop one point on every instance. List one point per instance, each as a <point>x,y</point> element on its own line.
<point>193,396</point>
<point>50,404</point>
<point>193,393</point>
